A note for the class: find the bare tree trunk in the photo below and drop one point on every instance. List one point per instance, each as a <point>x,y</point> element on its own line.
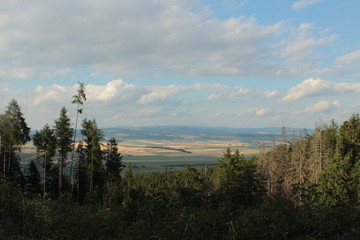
<point>4,166</point>
<point>4,162</point>
<point>9,160</point>
<point>91,174</point>
<point>44,186</point>
<point>73,150</point>
<point>61,174</point>
<point>78,179</point>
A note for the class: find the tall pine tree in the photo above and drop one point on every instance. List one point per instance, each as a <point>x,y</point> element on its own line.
<point>63,133</point>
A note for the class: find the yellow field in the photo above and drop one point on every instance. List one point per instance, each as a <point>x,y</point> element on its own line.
<point>149,148</point>
<point>197,148</point>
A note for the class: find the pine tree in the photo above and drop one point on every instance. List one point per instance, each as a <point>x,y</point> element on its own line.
<point>93,135</point>
<point>33,178</point>
<point>45,143</point>
<point>79,98</point>
<point>14,134</point>
<point>339,183</point>
<point>63,134</point>
<point>238,178</point>
<point>128,186</point>
<point>80,173</point>
<point>113,159</point>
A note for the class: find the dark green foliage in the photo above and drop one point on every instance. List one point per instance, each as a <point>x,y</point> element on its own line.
<point>14,133</point>
<point>238,181</point>
<point>80,178</point>
<point>113,159</point>
<point>63,134</point>
<point>45,143</point>
<point>339,183</point>
<point>222,202</point>
<point>93,156</point>
<point>33,178</point>
<point>349,139</point>
<point>334,184</point>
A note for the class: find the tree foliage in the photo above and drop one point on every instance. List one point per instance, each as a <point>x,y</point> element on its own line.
<point>312,184</point>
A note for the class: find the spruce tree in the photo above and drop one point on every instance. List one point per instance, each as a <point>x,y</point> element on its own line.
<point>63,133</point>
<point>33,178</point>
<point>45,143</point>
<point>14,134</point>
<point>93,136</point>
<point>113,159</point>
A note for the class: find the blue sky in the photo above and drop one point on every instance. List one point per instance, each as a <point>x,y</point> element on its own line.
<point>183,62</point>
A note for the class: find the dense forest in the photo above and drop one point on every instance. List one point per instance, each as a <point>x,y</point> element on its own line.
<point>306,187</point>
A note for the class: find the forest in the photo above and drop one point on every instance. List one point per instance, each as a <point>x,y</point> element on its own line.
<point>306,187</point>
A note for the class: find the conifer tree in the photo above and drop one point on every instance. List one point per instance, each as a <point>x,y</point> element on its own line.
<point>113,159</point>
<point>93,135</point>
<point>45,143</point>
<point>33,178</point>
<point>79,98</point>
<point>14,134</point>
<point>80,173</point>
<point>63,134</point>
<point>339,182</point>
<point>238,178</point>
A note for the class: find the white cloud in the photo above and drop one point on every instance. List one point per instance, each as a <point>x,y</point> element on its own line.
<point>349,58</point>
<point>115,88</point>
<point>323,107</point>
<point>255,111</point>
<point>304,3</point>
<point>260,112</point>
<point>346,65</point>
<point>303,43</point>
<point>55,72</point>
<point>314,87</point>
<point>270,94</point>
<point>115,103</point>
<point>47,94</point>
<point>123,38</point>
<point>213,97</point>
<point>240,91</point>
<point>160,93</point>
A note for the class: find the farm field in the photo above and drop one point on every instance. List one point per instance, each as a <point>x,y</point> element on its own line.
<point>169,148</point>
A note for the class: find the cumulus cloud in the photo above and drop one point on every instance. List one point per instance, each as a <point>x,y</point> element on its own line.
<point>50,39</point>
<point>314,87</point>
<point>255,111</point>
<point>348,64</point>
<point>240,91</point>
<point>321,107</point>
<point>47,94</point>
<point>260,112</point>
<point>349,58</point>
<point>213,97</point>
<point>304,3</point>
<point>303,43</point>
<point>116,103</point>
<point>113,89</point>
<point>160,93</point>
<point>270,94</point>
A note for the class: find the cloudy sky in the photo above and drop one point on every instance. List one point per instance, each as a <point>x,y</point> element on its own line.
<point>183,62</point>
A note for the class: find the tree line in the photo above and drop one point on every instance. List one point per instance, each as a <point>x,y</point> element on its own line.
<point>90,165</point>
<point>305,187</point>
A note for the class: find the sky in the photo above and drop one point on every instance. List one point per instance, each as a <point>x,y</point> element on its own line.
<point>218,63</point>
